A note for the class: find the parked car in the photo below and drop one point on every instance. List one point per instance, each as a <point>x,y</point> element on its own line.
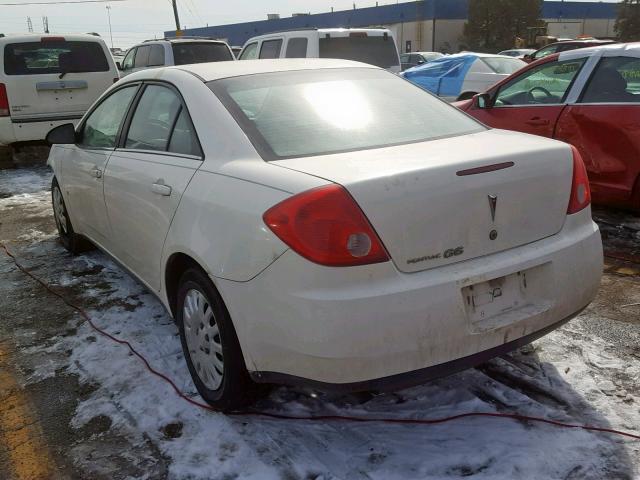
<point>375,46</point>
<point>323,222</point>
<point>564,46</point>
<point>461,76</point>
<point>589,98</point>
<point>175,51</point>
<point>47,80</point>
<point>517,52</point>
<point>408,60</point>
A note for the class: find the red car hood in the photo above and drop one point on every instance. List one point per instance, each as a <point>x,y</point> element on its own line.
<point>463,105</point>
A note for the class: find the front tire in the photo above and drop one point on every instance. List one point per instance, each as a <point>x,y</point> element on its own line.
<point>210,344</point>
<point>70,240</point>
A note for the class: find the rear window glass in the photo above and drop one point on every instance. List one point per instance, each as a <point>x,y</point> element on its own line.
<point>316,112</point>
<point>503,65</point>
<point>203,52</point>
<point>297,48</point>
<point>379,50</point>
<point>34,58</point>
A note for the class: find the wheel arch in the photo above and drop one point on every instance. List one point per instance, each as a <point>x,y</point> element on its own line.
<point>177,263</point>
<point>466,95</point>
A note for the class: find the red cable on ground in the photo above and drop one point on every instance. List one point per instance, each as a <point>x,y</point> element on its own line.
<point>403,421</point>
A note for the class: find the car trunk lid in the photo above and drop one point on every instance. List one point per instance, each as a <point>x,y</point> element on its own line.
<point>436,203</point>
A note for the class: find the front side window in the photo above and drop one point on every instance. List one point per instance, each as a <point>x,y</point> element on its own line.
<point>297,48</point>
<point>200,52</point>
<point>156,56</point>
<point>153,119</point>
<point>127,63</point>
<point>271,48</point>
<point>305,113</point>
<point>54,56</point>
<point>376,50</point>
<point>250,52</point>
<point>615,80</point>
<point>101,128</point>
<point>142,56</point>
<point>503,65</point>
<point>545,84</point>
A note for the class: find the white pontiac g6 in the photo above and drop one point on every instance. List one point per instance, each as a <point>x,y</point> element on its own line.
<point>325,222</point>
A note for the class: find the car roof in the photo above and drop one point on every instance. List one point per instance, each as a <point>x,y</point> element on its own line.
<point>34,37</point>
<point>216,70</point>
<point>622,49</point>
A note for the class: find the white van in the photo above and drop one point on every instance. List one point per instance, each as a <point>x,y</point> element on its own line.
<point>47,80</point>
<point>375,46</point>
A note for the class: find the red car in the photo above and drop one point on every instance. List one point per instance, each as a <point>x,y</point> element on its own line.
<point>589,98</point>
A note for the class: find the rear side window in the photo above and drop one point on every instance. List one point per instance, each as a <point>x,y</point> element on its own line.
<point>615,80</point>
<point>183,139</point>
<point>297,48</point>
<point>200,52</point>
<point>34,58</point>
<point>153,119</point>
<point>250,52</point>
<point>142,56</point>
<point>379,50</point>
<point>156,56</point>
<point>271,48</point>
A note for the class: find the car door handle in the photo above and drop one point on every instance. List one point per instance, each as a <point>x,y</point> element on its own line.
<point>96,172</point>
<point>537,122</point>
<point>161,189</point>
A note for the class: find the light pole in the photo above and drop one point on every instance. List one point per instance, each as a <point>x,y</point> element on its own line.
<point>108,7</point>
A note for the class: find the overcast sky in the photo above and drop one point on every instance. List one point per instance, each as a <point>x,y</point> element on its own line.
<point>136,20</point>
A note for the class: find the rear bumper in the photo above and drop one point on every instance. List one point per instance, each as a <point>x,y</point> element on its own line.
<point>374,327</point>
<point>409,379</point>
<point>13,130</point>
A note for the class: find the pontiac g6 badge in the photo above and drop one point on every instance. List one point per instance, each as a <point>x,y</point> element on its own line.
<point>493,201</point>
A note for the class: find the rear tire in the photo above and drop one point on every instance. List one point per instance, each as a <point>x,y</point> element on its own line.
<point>210,344</point>
<point>70,240</point>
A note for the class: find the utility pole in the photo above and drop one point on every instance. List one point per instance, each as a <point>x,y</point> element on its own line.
<point>109,17</point>
<point>175,14</point>
<point>29,25</point>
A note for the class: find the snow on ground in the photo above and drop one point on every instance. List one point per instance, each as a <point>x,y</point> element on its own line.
<point>568,376</point>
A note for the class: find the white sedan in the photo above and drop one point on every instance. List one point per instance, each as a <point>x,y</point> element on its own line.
<point>324,222</point>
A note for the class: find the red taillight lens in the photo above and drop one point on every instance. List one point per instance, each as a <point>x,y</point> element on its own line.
<point>580,191</point>
<point>325,225</point>
<point>4,101</point>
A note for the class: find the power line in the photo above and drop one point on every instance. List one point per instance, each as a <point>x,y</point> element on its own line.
<point>57,2</point>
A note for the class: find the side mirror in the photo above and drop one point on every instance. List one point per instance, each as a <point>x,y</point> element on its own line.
<point>420,62</point>
<point>119,66</point>
<point>483,100</point>
<point>63,134</point>
<point>528,56</point>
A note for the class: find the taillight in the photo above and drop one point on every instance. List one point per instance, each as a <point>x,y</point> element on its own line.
<point>4,101</point>
<point>580,191</point>
<point>325,225</point>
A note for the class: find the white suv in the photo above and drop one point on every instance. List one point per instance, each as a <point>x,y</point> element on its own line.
<point>375,46</point>
<point>48,80</point>
<point>175,51</point>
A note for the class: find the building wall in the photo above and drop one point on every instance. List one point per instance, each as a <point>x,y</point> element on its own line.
<point>413,21</point>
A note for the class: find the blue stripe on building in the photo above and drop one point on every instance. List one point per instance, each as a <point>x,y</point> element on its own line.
<point>239,33</point>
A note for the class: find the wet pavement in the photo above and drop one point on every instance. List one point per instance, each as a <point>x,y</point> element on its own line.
<point>73,405</point>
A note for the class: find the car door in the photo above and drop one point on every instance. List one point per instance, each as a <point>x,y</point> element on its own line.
<point>84,165</point>
<point>532,101</point>
<point>604,124</point>
<point>147,175</point>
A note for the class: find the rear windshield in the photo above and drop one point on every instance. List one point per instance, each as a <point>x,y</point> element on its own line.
<point>35,58</point>
<point>203,52</point>
<point>503,65</point>
<point>316,112</point>
<point>379,50</point>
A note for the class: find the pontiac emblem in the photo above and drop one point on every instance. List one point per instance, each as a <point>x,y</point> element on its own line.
<point>493,201</point>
